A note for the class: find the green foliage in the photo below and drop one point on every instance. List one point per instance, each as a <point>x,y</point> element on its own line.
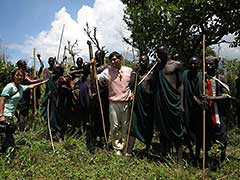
<point>210,52</point>
<point>232,70</point>
<point>180,25</point>
<point>216,150</point>
<point>35,159</point>
<point>5,73</point>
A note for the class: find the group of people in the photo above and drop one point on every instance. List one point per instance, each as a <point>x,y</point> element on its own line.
<point>117,104</point>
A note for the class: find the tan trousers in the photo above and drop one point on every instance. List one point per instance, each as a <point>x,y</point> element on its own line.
<point>119,114</point>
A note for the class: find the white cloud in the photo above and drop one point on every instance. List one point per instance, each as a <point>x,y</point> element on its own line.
<point>225,51</point>
<point>105,15</point>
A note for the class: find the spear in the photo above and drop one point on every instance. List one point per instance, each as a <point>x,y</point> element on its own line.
<point>60,43</point>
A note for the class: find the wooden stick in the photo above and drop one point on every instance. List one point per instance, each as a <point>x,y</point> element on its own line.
<point>147,73</point>
<point>94,75</point>
<point>49,125</point>
<point>204,113</point>
<point>34,89</point>
<point>131,113</point>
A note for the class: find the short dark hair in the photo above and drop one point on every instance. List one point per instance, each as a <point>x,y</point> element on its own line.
<point>79,59</point>
<point>21,64</point>
<point>115,53</point>
<point>194,58</point>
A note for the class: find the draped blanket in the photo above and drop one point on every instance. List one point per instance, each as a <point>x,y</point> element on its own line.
<point>51,98</point>
<point>192,87</point>
<point>142,122</point>
<point>167,115</point>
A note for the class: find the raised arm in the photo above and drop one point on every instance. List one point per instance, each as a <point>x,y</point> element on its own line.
<point>41,65</point>
<point>2,102</point>
<point>37,84</point>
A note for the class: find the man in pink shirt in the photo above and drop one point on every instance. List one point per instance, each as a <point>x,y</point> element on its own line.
<point>118,78</point>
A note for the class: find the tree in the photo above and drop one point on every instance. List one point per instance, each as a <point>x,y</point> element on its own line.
<point>180,24</point>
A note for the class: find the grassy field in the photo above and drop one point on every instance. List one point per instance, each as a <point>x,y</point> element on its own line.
<point>35,159</point>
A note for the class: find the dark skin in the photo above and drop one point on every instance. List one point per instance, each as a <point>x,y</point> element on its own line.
<point>211,67</point>
<point>99,56</point>
<point>51,62</point>
<point>79,63</point>
<point>49,70</point>
<point>41,65</point>
<point>143,63</point>
<point>194,67</point>
<point>171,70</point>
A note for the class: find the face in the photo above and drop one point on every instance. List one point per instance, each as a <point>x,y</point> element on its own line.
<point>79,62</point>
<point>162,54</point>
<point>99,56</point>
<point>51,62</point>
<point>143,61</point>
<point>211,67</point>
<point>116,62</point>
<point>195,63</point>
<point>18,77</point>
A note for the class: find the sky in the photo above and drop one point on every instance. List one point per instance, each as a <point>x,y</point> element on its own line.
<point>28,24</point>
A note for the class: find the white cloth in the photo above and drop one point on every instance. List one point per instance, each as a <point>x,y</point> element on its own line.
<point>119,115</point>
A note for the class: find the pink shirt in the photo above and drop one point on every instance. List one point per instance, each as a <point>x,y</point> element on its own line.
<point>118,83</point>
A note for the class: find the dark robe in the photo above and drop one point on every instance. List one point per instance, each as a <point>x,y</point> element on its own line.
<point>166,112</point>
<point>142,120</point>
<point>50,100</point>
<point>193,112</point>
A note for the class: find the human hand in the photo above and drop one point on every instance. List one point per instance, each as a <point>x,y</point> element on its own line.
<point>92,61</point>
<point>2,118</point>
<point>182,108</point>
<point>131,98</point>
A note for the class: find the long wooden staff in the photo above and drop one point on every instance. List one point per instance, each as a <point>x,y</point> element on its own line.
<point>94,75</point>
<point>204,112</point>
<point>49,125</point>
<point>34,90</point>
<point>131,113</point>
<point>60,43</point>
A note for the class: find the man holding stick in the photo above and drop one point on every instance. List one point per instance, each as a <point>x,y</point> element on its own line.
<point>120,94</point>
<point>142,120</point>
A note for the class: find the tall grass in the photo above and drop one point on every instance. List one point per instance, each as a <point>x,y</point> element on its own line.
<point>35,159</point>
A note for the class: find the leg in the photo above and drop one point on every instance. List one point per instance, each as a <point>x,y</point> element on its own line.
<point>125,118</point>
<point>8,142</point>
<point>114,111</point>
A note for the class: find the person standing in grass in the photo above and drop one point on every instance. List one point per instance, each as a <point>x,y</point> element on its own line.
<point>10,97</point>
<point>142,121</point>
<point>168,107</point>
<point>118,78</point>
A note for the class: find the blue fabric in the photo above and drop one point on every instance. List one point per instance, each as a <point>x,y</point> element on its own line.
<point>13,96</point>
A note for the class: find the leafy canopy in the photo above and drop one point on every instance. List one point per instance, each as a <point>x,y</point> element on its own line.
<point>180,24</point>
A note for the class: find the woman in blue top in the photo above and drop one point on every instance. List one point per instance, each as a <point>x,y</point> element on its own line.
<point>9,100</point>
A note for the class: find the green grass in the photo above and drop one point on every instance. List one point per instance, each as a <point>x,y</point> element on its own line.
<point>35,159</point>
